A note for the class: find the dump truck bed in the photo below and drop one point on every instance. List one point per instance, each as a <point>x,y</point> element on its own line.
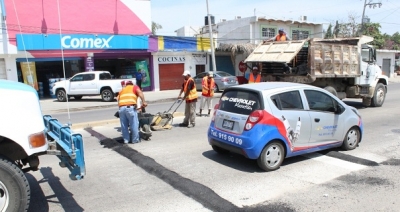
<point>318,58</point>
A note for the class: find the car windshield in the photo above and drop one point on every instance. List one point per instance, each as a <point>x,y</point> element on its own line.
<point>223,74</point>
<point>240,102</point>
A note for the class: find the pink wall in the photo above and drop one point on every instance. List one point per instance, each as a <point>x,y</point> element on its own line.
<point>77,17</point>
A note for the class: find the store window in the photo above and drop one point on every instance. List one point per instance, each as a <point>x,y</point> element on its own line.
<point>300,34</point>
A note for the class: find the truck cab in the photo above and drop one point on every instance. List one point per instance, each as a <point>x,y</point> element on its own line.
<point>25,135</point>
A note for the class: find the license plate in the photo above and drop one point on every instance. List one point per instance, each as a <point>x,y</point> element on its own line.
<point>232,81</point>
<point>227,124</point>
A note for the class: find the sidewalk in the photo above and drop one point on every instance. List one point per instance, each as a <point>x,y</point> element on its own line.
<point>51,106</point>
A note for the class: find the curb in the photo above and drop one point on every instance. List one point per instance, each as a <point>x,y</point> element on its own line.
<point>107,122</point>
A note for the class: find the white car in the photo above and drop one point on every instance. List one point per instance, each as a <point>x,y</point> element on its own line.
<point>271,121</point>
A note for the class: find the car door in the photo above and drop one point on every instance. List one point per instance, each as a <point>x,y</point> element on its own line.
<point>89,85</point>
<point>75,86</point>
<point>288,106</point>
<point>326,118</point>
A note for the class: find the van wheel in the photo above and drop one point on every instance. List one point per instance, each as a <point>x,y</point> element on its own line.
<point>351,139</point>
<point>379,95</point>
<point>14,187</point>
<point>61,96</point>
<point>219,150</point>
<point>107,95</point>
<point>271,157</point>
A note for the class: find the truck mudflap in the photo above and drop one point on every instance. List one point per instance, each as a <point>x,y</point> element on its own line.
<point>67,146</point>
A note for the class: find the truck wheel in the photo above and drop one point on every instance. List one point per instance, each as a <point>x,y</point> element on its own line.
<point>352,139</point>
<point>14,187</point>
<point>107,95</point>
<point>379,95</point>
<point>271,157</point>
<point>61,96</point>
<point>331,90</point>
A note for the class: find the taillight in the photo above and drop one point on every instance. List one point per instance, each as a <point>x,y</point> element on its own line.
<point>224,80</point>
<point>253,119</point>
<point>37,140</point>
<point>215,110</point>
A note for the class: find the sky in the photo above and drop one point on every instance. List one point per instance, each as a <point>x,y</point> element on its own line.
<point>174,14</point>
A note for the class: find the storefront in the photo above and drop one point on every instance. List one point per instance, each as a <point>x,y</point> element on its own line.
<point>48,58</point>
<point>174,55</point>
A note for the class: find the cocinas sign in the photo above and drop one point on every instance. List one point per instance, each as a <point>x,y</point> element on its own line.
<point>26,42</point>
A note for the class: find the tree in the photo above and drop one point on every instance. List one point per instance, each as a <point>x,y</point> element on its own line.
<point>329,33</point>
<point>155,27</point>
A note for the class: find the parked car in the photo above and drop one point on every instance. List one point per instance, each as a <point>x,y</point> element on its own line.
<point>222,80</point>
<point>271,121</point>
<point>89,84</point>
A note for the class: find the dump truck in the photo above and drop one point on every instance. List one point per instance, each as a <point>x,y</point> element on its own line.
<point>345,67</point>
<point>26,135</point>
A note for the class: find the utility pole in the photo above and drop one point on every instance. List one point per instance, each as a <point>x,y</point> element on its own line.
<point>371,5</point>
<point>211,40</point>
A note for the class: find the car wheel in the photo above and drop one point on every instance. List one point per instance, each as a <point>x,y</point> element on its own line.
<point>14,187</point>
<point>61,96</point>
<point>216,88</point>
<point>271,157</point>
<point>107,95</point>
<point>379,95</point>
<point>351,139</point>
<point>77,97</point>
<point>219,150</point>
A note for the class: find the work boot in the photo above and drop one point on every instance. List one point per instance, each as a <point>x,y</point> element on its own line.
<point>199,114</point>
<point>191,125</point>
<point>209,112</point>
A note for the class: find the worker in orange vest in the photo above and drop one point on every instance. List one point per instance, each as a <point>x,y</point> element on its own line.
<point>281,36</point>
<point>190,96</point>
<point>207,93</point>
<point>255,76</point>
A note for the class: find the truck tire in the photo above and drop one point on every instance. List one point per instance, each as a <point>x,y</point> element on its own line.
<point>107,95</point>
<point>14,187</point>
<point>61,95</point>
<point>379,95</point>
<point>331,90</point>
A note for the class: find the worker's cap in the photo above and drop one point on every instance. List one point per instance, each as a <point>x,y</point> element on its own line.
<point>281,30</point>
<point>211,74</point>
<point>128,82</point>
<point>186,73</point>
<point>255,68</point>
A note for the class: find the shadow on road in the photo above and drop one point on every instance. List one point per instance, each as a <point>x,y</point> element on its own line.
<point>40,202</point>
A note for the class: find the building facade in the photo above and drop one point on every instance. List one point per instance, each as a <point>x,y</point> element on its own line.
<point>42,40</point>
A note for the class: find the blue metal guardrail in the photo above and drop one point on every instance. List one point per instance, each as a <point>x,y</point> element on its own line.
<point>67,146</point>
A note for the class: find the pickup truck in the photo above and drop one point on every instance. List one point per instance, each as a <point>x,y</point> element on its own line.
<point>26,135</point>
<point>89,84</point>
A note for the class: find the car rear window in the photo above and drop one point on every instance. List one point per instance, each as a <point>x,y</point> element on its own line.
<point>240,102</point>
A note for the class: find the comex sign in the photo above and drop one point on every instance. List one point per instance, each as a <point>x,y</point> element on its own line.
<point>85,43</point>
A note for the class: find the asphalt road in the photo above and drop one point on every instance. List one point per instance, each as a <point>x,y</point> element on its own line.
<point>178,171</point>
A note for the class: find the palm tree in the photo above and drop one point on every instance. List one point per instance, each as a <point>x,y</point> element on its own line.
<point>155,27</point>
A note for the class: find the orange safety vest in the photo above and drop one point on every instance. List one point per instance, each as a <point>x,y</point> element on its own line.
<point>127,96</point>
<point>192,93</point>
<point>208,89</point>
<point>251,78</point>
<point>280,37</point>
